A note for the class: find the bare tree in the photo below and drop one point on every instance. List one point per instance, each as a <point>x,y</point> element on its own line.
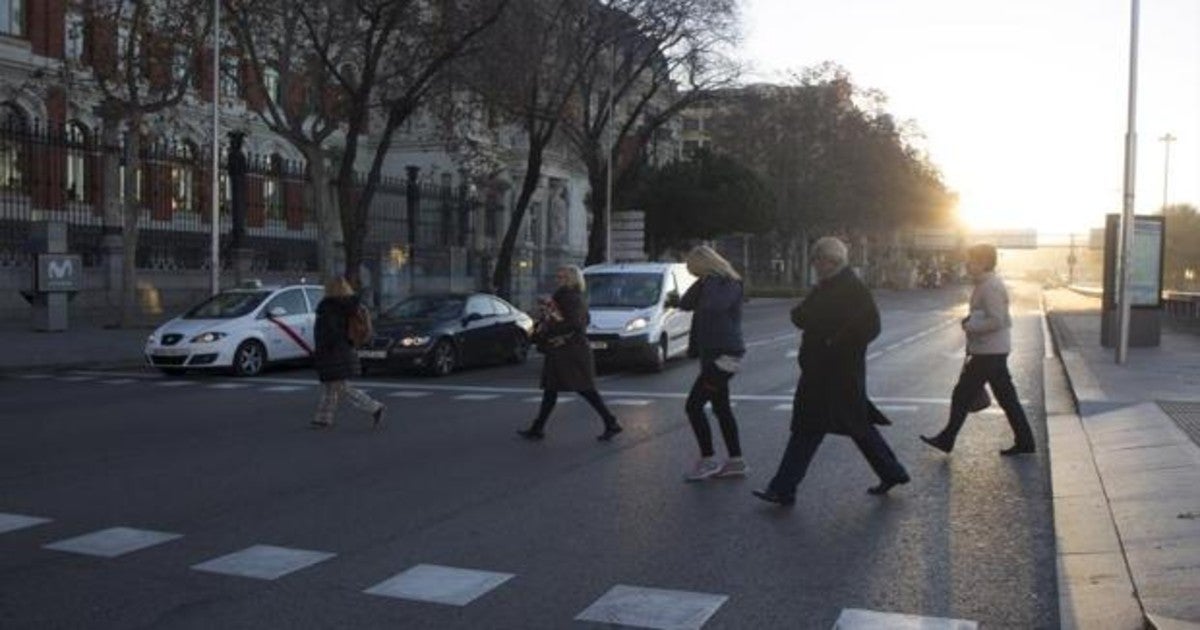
<point>140,61</point>
<point>656,57</point>
<point>377,61</point>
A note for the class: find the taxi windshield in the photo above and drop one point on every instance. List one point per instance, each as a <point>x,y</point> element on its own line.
<point>227,305</point>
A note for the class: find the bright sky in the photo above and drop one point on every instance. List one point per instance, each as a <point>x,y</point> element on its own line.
<point>1023,102</point>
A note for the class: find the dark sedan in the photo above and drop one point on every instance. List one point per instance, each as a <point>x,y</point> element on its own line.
<point>440,333</point>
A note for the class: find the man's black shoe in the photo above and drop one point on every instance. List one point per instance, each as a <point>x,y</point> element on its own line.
<point>770,496</point>
<point>937,443</point>
<point>884,486</point>
<point>1018,450</point>
<point>609,432</point>
<point>531,434</point>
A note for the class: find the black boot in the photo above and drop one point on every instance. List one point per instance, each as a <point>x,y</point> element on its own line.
<point>610,430</point>
<point>938,442</point>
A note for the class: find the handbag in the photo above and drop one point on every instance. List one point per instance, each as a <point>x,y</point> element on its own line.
<point>980,401</point>
<point>543,341</point>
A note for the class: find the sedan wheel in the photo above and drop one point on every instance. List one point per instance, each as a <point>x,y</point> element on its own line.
<point>249,358</point>
<point>520,349</point>
<point>442,359</point>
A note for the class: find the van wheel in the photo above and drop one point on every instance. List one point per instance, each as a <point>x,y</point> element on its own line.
<point>658,355</point>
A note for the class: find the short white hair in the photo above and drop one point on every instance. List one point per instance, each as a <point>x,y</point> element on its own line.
<point>831,248</point>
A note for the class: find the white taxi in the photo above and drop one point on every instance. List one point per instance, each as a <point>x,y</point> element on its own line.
<point>240,329</point>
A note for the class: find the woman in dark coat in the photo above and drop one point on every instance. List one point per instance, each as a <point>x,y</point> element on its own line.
<point>716,337</point>
<point>839,318</point>
<point>335,358</point>
<point>562,334</point>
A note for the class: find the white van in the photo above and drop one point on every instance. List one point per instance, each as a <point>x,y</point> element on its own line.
<point>634,312</point>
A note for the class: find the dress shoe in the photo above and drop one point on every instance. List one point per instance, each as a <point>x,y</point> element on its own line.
<point>938,443</point>
<point>532,435</point>
<point>1018,450</point>
<point>609,432</point>
<point>884,486</point>
<point>770,496</point>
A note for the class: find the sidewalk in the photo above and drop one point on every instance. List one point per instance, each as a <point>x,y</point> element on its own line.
<point>84,345</point>
<point>1125,463</point>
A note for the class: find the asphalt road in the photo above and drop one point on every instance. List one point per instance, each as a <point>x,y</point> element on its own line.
<point>227,464</point>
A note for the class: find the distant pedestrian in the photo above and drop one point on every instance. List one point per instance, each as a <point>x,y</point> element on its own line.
<point>561,334</point>
<point>716,338</point>
<point>989,340</point>
<point>839,318</point>
<point>335,357</point>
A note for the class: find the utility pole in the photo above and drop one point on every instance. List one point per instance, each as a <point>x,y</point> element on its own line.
<point>1166,139</point>
<point>215,271</point>
<point>1126,241</point>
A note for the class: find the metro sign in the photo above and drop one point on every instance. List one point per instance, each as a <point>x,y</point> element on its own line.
<point>59,272</point>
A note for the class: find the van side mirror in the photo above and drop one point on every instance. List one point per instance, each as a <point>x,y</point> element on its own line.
<point>672,300</point>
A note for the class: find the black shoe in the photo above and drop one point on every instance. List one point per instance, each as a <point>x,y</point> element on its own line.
<point>938,443</point>
<point>609,432</point>
<point>884,486</point>
<point>532,435</point>
<point>770,496</point>
<point>1018,450</point>
<point>377,417</point>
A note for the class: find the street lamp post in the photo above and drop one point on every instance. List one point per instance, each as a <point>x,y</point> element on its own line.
<point>215,271</point>
<point>1127,203</point>
<point>1166,139</point>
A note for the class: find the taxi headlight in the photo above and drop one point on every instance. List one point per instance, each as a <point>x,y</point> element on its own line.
<point>209,337</point>
<point>636,323</point>
<point>414,341</point>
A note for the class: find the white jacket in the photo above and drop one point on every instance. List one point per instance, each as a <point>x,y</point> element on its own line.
<point>989,324</point>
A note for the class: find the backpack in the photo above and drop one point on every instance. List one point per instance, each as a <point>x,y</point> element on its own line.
<point>358,326</point>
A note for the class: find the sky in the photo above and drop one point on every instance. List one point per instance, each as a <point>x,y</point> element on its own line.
<point>1023,103</point>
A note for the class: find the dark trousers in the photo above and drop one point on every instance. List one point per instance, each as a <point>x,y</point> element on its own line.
<point>550,398</point>
<point>993,370</point>
<point>803,445</point>
<point>712,386</point>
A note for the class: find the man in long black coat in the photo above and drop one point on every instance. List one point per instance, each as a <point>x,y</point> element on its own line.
<point>839,318</point>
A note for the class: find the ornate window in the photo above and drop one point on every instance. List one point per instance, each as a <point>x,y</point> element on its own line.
<point>273,188</point>
<point>183,179</point>
<point>14,126</point>
<point>76,136</point>
<point>12,17</point>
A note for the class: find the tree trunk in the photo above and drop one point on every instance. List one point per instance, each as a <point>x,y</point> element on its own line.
<point>598,202</point>
<point>502,275</point>
<point>114,223</point>
<point>131,210</point>
<point>352,237</point>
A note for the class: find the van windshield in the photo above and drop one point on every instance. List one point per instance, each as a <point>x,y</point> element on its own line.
<point>623,290</point>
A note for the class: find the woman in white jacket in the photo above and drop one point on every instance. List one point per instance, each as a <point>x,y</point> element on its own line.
<point>989,341</point>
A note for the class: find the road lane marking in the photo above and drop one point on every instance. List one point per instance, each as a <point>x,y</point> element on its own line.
<point>113,542</point>
<point>538,399</point>
<point>285,388</point>
<point>174,383</point>
<point>792,336</point>
<point>13,522</point>
<point>440,585</point>
<point>119,381</point>
<point>408,394</point>
<point>477,397</point>
<point>629,402</point>
<point>783,407</point>
<point>75,379</point>
<point>858,619</point>
<point>35,377</point>
<point>642,607</point>
<point>228,386</point>
<point>897,408</point>
<point>264,562</point>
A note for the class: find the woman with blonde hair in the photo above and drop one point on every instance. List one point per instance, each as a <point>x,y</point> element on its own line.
<point>716,337</point>
<point>561,333</point>
<point>335,357</point>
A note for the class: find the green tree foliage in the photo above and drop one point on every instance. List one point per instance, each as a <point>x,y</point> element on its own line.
<point>1181,263</point>
<point>833,157</point>
<point>708,196</point>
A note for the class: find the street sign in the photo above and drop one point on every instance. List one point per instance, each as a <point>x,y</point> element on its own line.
<point>59,272</point>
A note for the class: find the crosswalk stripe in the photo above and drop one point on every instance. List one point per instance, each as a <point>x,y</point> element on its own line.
<point>228,386</point>
<point>113,542</point>
<point>477,397</point>
<point>119,381</point>
<point>408,394</point>
<point>538,399</point>
<point>284,388</point>
<point>173,383</point>
<point>35,377</point>
<point>440,585</point>
<point>783,407</point>
<point>74,379</point>
<point>264,562</point>
<point>859,619</point>
<point>653,608</point>
<point>629,402</point>
<point>13,522</point>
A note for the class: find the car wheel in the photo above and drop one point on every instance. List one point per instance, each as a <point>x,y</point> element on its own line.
<point>249,359</point>
<point>443,358</point>
<point>658,355</point>
<point>520,350</point>
<point>172,371</point>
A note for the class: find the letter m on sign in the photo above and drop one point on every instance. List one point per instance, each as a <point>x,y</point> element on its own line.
<point>60,269</point>
<point>59,272</point>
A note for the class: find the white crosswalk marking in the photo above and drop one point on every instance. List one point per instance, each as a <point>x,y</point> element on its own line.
<point>783,407</point>
<point>477,397</point>
<point>408,394</point>
<point>538,399</point>
<point>75,379</point>
<point>13,522</point>
<point>858,619</point>
<point>173,383</point>
<point>35,377</point>
<point>113,542</point>
<point>284,388</point>
<point>653,608</point>
<point>264,562</point>
<point>440,585</point>
<point>228,386</point>
<point>119,381</point>
<point>897,408</point>
<point>629,402</point>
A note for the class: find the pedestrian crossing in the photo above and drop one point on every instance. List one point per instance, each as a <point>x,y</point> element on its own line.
<point>621,605</point>
<point>454,393</point>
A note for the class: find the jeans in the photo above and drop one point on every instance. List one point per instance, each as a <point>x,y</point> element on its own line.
<point>712,385</point>
<point>332,391</point>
